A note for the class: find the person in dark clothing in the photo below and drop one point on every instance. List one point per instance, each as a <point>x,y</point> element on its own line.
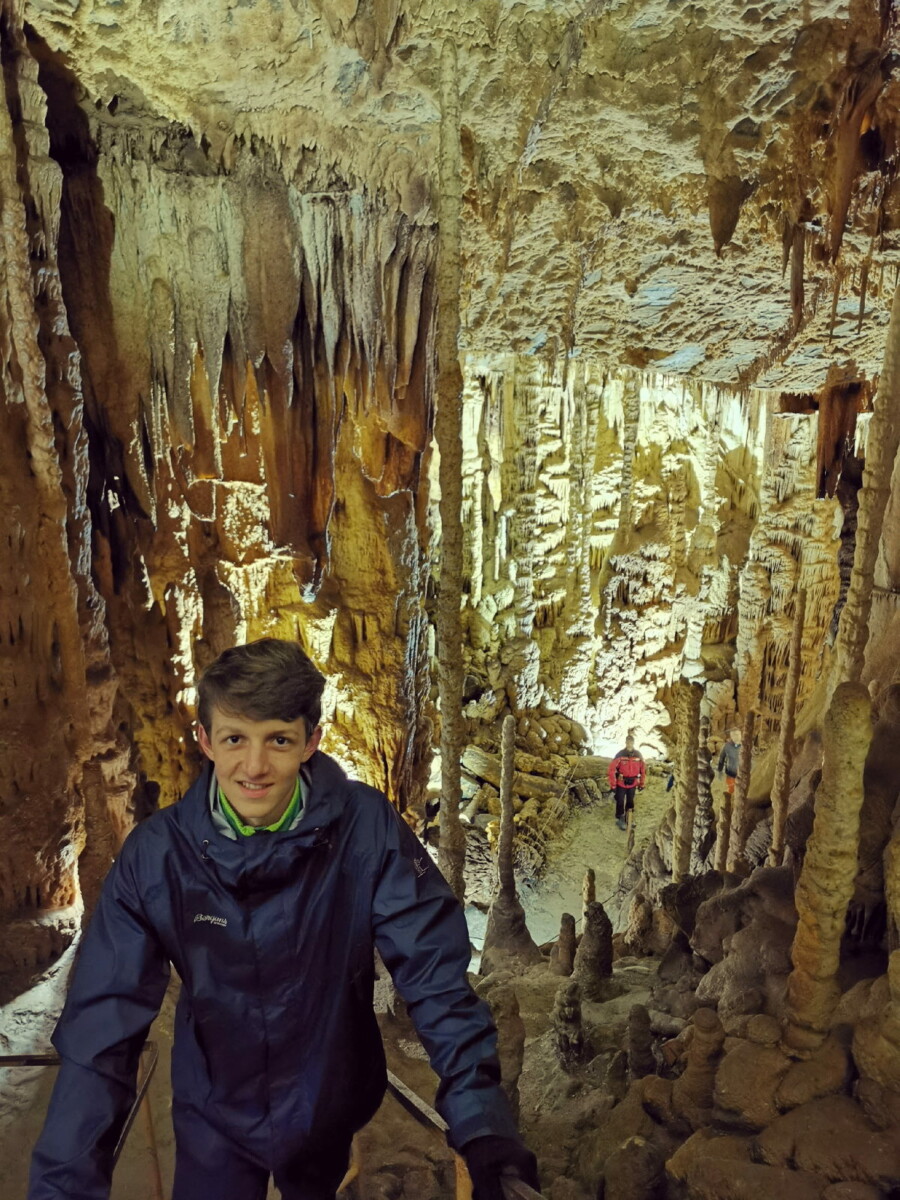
<point>268,887</point>
<point>729,760</point>
<point>626,775</point>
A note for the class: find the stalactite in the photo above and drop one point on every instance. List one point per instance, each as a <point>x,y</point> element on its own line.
<point>782,785</point>
<point>448,434</point>
<point>829,868</point>
<point>881,452</point>
<point>738,834</point>
<point>860,93</point>
<point>798,254</point>
<point>688,732</point>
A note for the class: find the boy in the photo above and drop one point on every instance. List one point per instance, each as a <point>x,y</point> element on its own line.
<point>268,887</point>
<point>626,772</point>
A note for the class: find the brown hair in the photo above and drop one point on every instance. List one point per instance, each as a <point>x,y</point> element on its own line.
<point>266,680</point>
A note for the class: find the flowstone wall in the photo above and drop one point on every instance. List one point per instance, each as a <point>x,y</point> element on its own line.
<point>625,530</point>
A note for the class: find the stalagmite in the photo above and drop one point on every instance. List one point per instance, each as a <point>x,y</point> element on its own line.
<point>641,1061</point>
<point>562,959</point>
<point>510,1039</point>
<point>782,785</point>
<point>568,1031</point>
<point>738,834</point>
<point>688,718</point>
<point>694,1087</point>
<point>882,445</point>
<point>723,831</point>
<point>704,818</point>
<point>588,891</point>
<point>507,934</point>
<point>593,960</point>
<point>826,880</point>
<point>448,434</point>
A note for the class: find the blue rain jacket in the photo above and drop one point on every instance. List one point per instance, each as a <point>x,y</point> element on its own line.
<point>276,1041</point>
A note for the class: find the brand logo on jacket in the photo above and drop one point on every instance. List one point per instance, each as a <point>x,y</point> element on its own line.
<point>420,866</point>
<point>210,920</point>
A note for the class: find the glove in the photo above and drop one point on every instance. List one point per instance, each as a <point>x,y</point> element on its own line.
<point>490,1157</point>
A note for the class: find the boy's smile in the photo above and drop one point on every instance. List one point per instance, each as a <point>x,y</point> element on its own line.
<point>257,762</point>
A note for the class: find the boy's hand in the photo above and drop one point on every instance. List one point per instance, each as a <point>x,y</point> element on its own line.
<point>489,1158</point>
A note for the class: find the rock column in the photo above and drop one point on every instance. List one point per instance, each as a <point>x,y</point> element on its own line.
<point>448,434</point>
<point>782,785</point>
<point>593,961</point>
<point>826,880</point>
<point>881,453</point>
<point>507,933</point>
<point>688,710</point>
<point>693,1090</point>
<point>742,783</point>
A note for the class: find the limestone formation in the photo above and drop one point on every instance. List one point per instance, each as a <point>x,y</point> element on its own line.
<point>882,444</point>
<point>593,960</point>
<point>447,429</point>
<point>738,832</point>
<point>781,786</point>
<point>825,886</point>
<point>634,1172</point>
<point>346,338</point>
<point>588,891</point>
<point>745,933</point>
<point>506,936</point>
<point>688,733</point>
<point>562,958</point>
<point>510,1039</point>
<point>692,1092</point>
<point>723,831</point>
<point>641,1060</point>
<point>873,895</point>
<point>704,818</point>
<point>568,1031</point>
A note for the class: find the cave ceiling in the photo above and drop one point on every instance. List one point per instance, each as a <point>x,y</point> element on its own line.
<point>703,190</point>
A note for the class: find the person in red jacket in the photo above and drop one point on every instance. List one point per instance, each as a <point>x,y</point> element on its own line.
<point>626,774</point>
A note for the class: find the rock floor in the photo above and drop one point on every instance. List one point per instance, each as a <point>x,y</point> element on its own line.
<point>591,839</point>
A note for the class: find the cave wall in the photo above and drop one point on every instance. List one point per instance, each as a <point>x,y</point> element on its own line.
<point>626,529</point>
<point>218,346</point>
<point>215,415</point>
<point>255,360</point>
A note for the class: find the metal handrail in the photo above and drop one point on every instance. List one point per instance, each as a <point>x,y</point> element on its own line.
<point>52,1059</point>
<point>513,1187</point>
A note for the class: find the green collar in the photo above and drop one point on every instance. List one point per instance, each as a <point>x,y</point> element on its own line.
<point>284,821</point>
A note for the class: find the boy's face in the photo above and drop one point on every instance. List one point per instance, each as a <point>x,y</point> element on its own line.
<point>257,762</point>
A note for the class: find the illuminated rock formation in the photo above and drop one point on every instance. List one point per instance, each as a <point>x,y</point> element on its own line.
<point>667,288</point>
<point>781,786</point>
<point>826,880</point>
<point>688,732</point>
<point>506,936</point>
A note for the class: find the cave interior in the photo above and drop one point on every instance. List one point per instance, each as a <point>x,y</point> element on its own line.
<point>532,364</point>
